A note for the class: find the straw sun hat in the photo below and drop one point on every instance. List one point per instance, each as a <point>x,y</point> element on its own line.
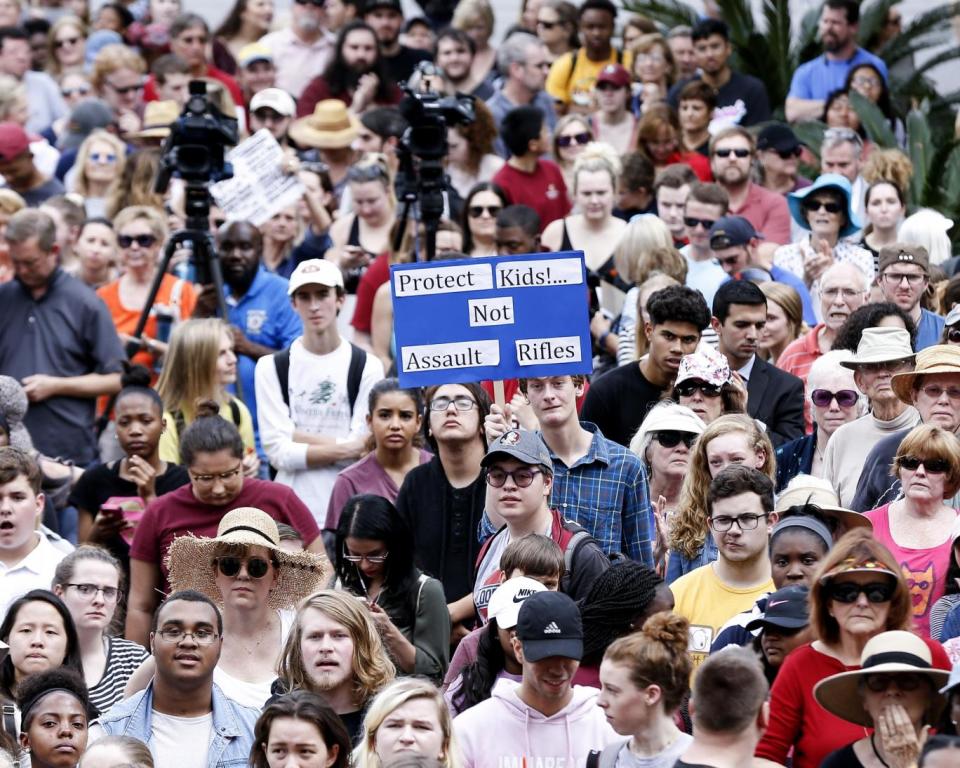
<point>299,574</point>
<point>331,126</point>
<point>940,358</point>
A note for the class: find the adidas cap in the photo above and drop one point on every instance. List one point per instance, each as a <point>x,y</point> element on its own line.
<point>549,625</point>
<point>505,602</point>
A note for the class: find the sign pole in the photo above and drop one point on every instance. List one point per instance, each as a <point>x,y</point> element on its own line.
<point>498,396</point>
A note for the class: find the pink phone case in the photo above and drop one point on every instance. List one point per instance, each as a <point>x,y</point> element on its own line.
<point>132,508</point>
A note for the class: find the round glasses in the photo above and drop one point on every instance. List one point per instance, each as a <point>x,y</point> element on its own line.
<point>230,566</point>
<point>748,522</point>
<point>823,397</point>
<point>522,478</point>
<point>88,591</point>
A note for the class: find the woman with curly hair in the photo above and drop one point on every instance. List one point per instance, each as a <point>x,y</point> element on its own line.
<point>731,439</point>
<point>471,158</point>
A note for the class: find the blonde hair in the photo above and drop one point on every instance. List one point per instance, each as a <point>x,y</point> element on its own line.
<point>654,40</point>
<point>112,58</point>
<point>190,369</point>
<point>632,255</point>
<point>598,156</point>
<point>80,184</point>
<point>10,90</point>
<point>563,122</point>
<point>787,298</point>
<point>689,529</point>
<point>395,695</point>
<point>372,668</point>
<point>890,165</point>
<point>471,10</point>
<point>149,214</point>
<point>135,186</point>
<point>53,65</point>
<point>11,202</point>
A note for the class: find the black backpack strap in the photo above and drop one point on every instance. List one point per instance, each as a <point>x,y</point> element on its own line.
<point>235,412</point>
<point>573,66</point>
<point>281,361</point>
<point>358,359</point>
<point>593,759</point>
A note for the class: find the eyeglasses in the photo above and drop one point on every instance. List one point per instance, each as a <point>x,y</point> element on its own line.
<point>547,25</point>
<point>124,90</point>
<point>476,211</point>
<point>461,403</point>
<point>786,154</point>
<point>579,138</point>
<point>177,635</point>
<point>223,476</point>
<point>692,222</point>
<point>522,478</point>
<point>230,566</point>
<point>144,241</point>
<point>650,58</point>
<point>849,591</point>
<point>847,293</point>
<point>935,392</point>
<point>905,681</point>
<point>89,591</point>
<point>314,3</point>
<point>671,438</point>
<point>78,91</point>
<point>930,466</point>
<point>823,397</point>
<point>953,335</point>
<point>895,278</point>
<point>107,158</point>
<point>723,523</point>
<point>66,41</point>
<point>372,559</point>
<point>741,153</point>
<point>687,388</point>
<point>865,82</point>
<point>827,205</point>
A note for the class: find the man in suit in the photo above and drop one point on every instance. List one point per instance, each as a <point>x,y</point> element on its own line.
<point>774,397</point>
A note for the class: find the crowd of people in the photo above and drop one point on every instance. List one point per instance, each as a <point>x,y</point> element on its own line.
<point>229,536</point>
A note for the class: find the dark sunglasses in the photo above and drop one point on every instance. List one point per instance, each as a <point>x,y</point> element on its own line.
<point>257,567</point>
<point>741,153</point>
<point>849,591</point>
<point>476,211</point>
<point>692,222</point>
<point>687,388</point>
<point>671,438</point>
<point>931,466</point>
<point>828,205</point>
<point>823,397</point>
<point>906,681</point>
<point>123,91</point>
<point>547,25</point>
<point>66,41</point>
<point>609,87</point>
<point>78,91</point>
<point>953,335</point>
<point>579,138</point>
<point>144,241</point>
<point>786,154</point>
<point>728,260</point>
<point>314,3</point>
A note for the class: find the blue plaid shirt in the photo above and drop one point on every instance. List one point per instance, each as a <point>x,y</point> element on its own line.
<point>606,492</point>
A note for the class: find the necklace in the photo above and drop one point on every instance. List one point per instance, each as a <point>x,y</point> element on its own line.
<point>873,744</point>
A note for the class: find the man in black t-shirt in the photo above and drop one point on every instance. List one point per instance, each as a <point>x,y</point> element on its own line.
<point>386,18</point>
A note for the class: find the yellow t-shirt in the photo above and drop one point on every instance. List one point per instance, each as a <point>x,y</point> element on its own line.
<point>707,603</point>
<point>170,439</point>
<point>578,86</point>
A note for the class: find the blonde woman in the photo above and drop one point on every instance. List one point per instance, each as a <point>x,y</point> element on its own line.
<point>408,716</point>
<point>98,169</point>
<point>571,136</point>
<point>135,186</point>
<point>731,439</point>
<point>784,320</point>
<point>199,365</point>
<point>67,42</point>
<point>10,203</point>
<point>475,18</point>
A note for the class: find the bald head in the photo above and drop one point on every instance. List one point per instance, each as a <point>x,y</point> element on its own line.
<point>843,288</point>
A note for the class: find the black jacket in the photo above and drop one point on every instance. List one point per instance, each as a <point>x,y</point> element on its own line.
<point>775,397</point>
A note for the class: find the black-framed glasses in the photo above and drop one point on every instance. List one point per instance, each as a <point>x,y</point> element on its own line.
<point>905,681</point>
<point>830,206</point>
<point>125,89</point>
<point>89,591</point>
<point>849,591</point>
<point>522,478</point>
<point>461,403</point>
<point>687,388</point>
<point>671,438</point>
<point>930,466</point>
<point>314,3</point>
<point>579,138</point>
<point>844,397</point>
<point>741,153</point>
<point>177,635</point>
<point>230,565</point>
<point>786,154</point>
<point>747,522</point>
<point>476,211</point>
<point>144,241</point>
<point>693,221</point>
<point>895,278</point>
<point>372,559</point>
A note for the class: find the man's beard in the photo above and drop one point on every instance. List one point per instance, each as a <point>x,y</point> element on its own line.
<point>355,72</point>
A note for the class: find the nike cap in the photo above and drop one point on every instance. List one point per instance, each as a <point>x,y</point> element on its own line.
<point>505,602</point>
<point>786,609</point>
<point>549,625</point>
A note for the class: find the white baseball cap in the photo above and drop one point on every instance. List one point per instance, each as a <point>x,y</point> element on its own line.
<point>505,602</point>
<point>315,272</point>
<point>276,99</point>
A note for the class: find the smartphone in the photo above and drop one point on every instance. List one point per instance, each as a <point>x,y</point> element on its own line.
<point>130,507</point>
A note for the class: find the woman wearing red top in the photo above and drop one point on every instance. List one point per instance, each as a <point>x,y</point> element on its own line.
<point>858,593</point>
<point>658,139</point>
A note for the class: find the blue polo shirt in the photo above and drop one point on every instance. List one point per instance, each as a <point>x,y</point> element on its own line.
<point>929,329</point>
<point>819,77</point>
<point>265,316</point>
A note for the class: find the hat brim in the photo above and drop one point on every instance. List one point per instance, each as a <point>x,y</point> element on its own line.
<point>306,135</point>
<point>512,453</point>
<point>840,695</point>
<point>848,517</point>
<point>902,383</point>
<point>782,622</point>
<point>875,358</point>
<point>795,202</point>
<point>151,133</point>
<point>537,650</point>
<point>299,574</point>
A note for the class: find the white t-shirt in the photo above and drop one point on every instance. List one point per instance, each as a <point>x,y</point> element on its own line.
<point>177,740</point>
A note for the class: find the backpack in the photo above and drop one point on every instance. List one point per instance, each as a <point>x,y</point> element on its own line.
<point>573,64</point>
<point>358,359</point>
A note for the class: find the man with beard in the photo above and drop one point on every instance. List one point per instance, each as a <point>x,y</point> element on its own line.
<point>814,81</point>
<point>259,313</point>
<point>301,51</point>
<point>455,52</point>
<point>386,18</point>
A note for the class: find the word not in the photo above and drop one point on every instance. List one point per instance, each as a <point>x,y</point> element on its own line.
<point>537,274</point>
<point>460,354</point>
<point>452,279</point>
<point>498,311</point>
<point>561,349</point>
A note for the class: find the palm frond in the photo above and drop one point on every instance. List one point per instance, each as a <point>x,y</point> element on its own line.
<point>670,13</point>
<point>872,19</point>
<point>930,26</point>
<point>873,120</point>
<point>807,46</point>
<point>918,77</point>
<point>810,133</point>
<point>919,148</point>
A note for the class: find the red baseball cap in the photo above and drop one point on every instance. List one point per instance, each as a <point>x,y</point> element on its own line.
<point>13,141</point>
<point>614,74</point>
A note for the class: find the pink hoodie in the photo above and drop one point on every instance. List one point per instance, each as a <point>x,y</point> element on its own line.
<point>503,732</point>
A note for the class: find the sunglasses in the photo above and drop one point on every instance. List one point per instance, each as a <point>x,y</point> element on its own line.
<point>849,591</point>
<point>906,681</point>
<point>692,222</point>
<point>579,138</point>
<point>741,153</point>
<point>522,478</point>
<point>827,205</point>
<point>727,260</point>
<point>953,335</point>
<point>687,388</point>
<point>257,567</point>
<point>123,91</point>
<point>823,397</point>
<point>314,3</point>
<point>66,41</point>
<point>68,92</point>
<point>609,87</point>
<point>144,241</point>
<point>671,438</point>
<point>930,466</point>
<point>786,154</point>
<point>103,157</point>
<point>548,25</point>
<point>476,211</point>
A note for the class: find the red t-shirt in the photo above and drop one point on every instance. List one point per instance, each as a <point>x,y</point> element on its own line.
<point>697,162</point>
<point>544,190</point>
<point>150,89</point>
<point>376,275</point>
<point>796,717</point>
<point>179,513</point>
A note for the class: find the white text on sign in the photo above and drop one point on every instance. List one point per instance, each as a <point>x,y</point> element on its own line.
<point>498,311</point>
<point>561,349</point>
<point>454,279</point>
<point>539,274</point>
<point>439,357</point>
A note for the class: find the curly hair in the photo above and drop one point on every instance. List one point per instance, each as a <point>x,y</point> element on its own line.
<point>136,182</point>
<point>689,529</point>
<point>678,304</point>
<point>869,316</point>
<point>891,165</point>
<point>479,135</point>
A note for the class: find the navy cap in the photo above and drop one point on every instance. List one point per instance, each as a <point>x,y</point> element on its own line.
<point>549,625</point>
<point>728,231</point>
<point>787,608</point>
<point>520,444</point>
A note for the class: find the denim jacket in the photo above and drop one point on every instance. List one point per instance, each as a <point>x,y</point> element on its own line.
<point>679,564</point>
<point>232,726</point>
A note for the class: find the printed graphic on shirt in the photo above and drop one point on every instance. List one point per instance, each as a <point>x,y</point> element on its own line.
<point>921,586</point>
<point>699,642</point>
<point>255,320</point>
<point>727,115</point>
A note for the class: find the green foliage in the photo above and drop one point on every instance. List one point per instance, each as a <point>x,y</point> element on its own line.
<point>873,121</point>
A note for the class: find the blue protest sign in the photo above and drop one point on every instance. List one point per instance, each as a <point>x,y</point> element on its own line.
<point>498,317</point>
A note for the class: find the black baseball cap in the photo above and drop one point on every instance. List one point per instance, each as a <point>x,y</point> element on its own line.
<point>779,137</point>
<point>787,608</point>
<point>549,625</point>
<point>371,5</point>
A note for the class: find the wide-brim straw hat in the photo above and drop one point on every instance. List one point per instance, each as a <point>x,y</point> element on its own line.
<point>158,116</point>
<point>331,126</point>
<point>940,358</point>
<point>881,345</point>
<point>299,574</point>
<point>826,501</point>
<point>887,653</point>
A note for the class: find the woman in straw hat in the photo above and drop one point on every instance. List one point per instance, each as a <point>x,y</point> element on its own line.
<point>896,692</point>
<point>256,583</point>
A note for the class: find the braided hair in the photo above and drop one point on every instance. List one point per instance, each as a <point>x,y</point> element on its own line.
<point>477,679</point>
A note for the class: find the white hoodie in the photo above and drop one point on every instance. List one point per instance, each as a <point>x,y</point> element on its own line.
<point>503,732</point>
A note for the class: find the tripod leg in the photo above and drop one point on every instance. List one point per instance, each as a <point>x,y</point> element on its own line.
<point>134,346</point>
